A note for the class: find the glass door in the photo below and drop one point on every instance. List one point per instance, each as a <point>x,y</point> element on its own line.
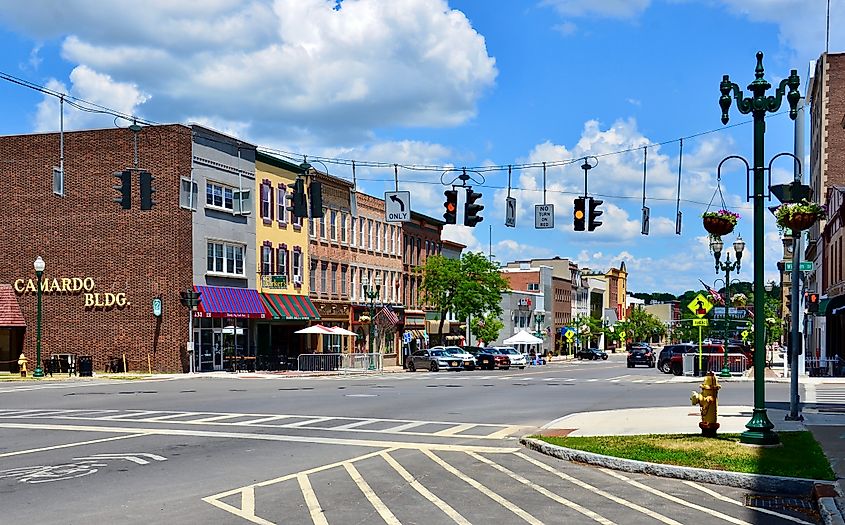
<point>206,351</point>
<point>218,350</point>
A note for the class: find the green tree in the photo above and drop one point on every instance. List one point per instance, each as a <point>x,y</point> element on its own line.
<point>469,287</point>
<point>486,328</point>
<point>643,326</point>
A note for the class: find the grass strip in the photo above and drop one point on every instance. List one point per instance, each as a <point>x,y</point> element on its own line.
<point>800,456</point>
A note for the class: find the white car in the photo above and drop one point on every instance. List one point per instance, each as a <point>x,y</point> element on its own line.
<point>467,359</point>
<point>516,357</point>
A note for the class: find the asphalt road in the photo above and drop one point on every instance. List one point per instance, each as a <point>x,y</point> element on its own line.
<point>424,448</point>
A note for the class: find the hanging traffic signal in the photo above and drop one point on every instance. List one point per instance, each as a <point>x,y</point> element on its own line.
<point>813,302</point>
<point>579,215</point>
<point>190,298</point>
<point>125,189</point>
<point>471,210</point>
<point>451,205</point>
<point>147,190</point>
<point>300,202</point>
<point>594,214</point>
<point>315,195</point>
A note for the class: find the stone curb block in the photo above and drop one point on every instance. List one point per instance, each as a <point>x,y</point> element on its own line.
<point>756,482</point>
<point>830,512</point>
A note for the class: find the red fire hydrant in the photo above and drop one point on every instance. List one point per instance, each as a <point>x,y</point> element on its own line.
<point>708,400</point>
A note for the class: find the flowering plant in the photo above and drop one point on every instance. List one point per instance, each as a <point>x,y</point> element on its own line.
<point>785,212</point>
<point>727,215</point>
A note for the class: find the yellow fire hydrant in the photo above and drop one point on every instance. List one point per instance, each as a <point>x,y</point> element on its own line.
<point>22,364</point>
<point>708,401</point>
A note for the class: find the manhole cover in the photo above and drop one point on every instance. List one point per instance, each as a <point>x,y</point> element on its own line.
<point>791,505</point>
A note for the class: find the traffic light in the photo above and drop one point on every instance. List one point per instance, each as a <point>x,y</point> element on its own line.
<point>471,210</point>
<point>813,302</point>
<point>125,189</point>
<point>147,190</point>
<point>579,215</point>
<point>300,202</point>
<point>315,195</point>
<point>594,214</point>
<point>787,304</point>
<point>190,298</point>
<point>451,205</point>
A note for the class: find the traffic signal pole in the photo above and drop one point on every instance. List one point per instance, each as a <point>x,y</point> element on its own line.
<point>794,334</point>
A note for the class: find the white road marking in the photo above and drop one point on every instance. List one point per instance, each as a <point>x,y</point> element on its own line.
<point>171,416</point>
<point>424,492</point>
<point>484,490</point>
<point>308,422</point>
<point>355,424</point>
<point>505,432</point>
<point>260,437</point>
<point>311,501</point>
<point>130,416</point>
<point>134,457</point>
<point>714,513</point>
<point>68,445</point>
<point>215,418</point>
<point>454,430</point>
<point>544,491</point>
<point>600,492</point>
<point>406,426</point>
<point>724,498</point>
<point>371,496</point>
<point>262,420</point>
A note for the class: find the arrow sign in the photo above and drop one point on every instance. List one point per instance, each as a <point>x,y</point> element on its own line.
<point>510,212</point>
<point>397,206</point>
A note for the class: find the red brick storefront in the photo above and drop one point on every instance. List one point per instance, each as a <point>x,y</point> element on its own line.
<point>123,258</point>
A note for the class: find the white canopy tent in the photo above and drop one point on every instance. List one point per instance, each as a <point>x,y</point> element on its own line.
<point>523,338</point>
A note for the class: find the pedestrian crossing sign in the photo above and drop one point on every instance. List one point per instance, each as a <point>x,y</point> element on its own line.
<point>700,305</point>
<point>570,335</point>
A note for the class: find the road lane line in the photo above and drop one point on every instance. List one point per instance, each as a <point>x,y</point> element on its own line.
<point>544,491</point>
<point>68,445</point>
<point>424,492</point>
<point>721,497</point>
<point>454,430</point>
<point>711,512</point>
<point>600,492</point>
<point>311,501</point>
<point>406,426</point>
<point>262,437</point>
<point>505,432</point>
<point>371,496</point>
<point>484,490</point>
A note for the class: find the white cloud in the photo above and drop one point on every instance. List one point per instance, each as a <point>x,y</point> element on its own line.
<point>293,69</point>
<point>602,8</point>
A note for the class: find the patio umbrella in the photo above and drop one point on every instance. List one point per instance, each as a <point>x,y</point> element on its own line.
<point>317,329</point>
<point>336,330</point>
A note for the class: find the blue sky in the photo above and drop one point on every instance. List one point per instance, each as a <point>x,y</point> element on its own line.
<point>450,83</point>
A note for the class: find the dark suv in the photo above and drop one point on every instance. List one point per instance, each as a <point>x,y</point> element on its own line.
<point>641,355</point>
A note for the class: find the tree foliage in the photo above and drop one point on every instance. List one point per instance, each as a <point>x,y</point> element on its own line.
<point>486,328</point>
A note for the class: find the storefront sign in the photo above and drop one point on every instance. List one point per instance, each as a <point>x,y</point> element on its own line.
<point>74,286</point>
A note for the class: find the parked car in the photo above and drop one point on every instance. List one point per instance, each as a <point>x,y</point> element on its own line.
<point>467,359</point>
<point>591,353</point>
<point>490,358</point>
<point>515,357</point>
<point>664,360</point>
<point>641,355</point>
<point>473,350</point>
<point>434,360</point>
<point>677,360</point>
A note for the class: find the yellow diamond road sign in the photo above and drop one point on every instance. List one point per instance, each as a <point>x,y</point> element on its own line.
<point>570,335</point>
<point>700,305</point>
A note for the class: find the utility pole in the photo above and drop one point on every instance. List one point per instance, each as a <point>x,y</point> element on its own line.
<point>795,334</point>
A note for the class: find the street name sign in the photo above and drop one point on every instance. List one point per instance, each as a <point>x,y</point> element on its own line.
<point>397,206</point>
<point>544,216</point>
<point>510,212</point>
<point>700,305</point>
<point>804,266</point>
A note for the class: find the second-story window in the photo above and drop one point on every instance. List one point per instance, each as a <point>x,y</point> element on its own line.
<point>362,223</point>
<point>343,228</point>
<point>225,258</point>
<point>219,196</point>
<point>333,225</point>
<point>297,266</point>
<point>352,230</point>
<point>378,237</point>
<point>343,275</point>
<point>282,261</point>
<point>369,234</point>
<point>322,226</point>
<point>266,260</point>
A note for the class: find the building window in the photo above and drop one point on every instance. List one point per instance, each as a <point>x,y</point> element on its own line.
<point>322,225</point>
<point>225,258</point>
<point>312,228</point>
<point>312,276</point>
<point>378,237</point>
<point>369,234</point>
<point>188,194</point>
<point>533,287</point>
<point>266,260</point>
<point>419,249</point>
<point>282,261</point>
<point>324,269</point>
<point>343,228</point>
<point>266,201</point>
<point>297,266</point>
<point>281,202</point>
<point>334,279</point>
<point>343,273</point>
<point>362,226</point>
<point>352,230</point>
<point>333,225</point>
<point>219,196</point>
<point>353,272</point>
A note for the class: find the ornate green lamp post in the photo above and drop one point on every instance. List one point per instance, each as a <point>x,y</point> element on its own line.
<point>759,427</point>
<point>39,272</point>
<point>716,247</point>
<point>371,293</point>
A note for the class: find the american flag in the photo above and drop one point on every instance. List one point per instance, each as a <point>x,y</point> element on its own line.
<point>388,315</point>
<point>717,297</point>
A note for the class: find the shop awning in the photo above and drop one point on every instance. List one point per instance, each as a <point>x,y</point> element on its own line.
<point>414,319</point>
<point>10,310</point>
<point>220,301</point>
<point>290,307</point>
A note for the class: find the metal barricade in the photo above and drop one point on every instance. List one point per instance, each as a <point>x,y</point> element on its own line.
<point>737,363</point>
<point>363,362</point>
<point>824,366</point>
<point>344,363</point>
<point>319,362</point>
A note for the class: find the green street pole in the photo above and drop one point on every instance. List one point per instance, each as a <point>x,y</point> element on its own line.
<point>727,267</point>
<point>759,427</point>
<point>39,271</point>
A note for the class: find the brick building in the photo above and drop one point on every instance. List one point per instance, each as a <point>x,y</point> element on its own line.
<point>104,264</point>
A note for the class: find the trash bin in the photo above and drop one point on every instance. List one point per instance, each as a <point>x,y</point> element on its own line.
<point>86,366</point>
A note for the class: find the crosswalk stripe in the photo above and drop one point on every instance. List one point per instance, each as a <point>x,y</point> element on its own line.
<point>355,424</point>
<point>171,416</point>
<point>308,422</point>
<point>215,418</point>
<point>544,491</point>
<point>484,490</point>
<point>454,430</point>
<point>406,426</point>
<point>720,497</point>
<point>371,496</point>
<point>262,420</point>
<point>311,501</point>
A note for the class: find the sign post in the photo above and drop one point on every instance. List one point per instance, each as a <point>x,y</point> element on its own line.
<point>700,305</point>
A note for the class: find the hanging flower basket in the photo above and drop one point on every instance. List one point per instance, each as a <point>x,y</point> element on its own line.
<point>718,223</point>
<point>799,216</point>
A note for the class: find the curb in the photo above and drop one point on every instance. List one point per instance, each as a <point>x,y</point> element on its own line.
<point>757,482</point>
<point>830,512</point>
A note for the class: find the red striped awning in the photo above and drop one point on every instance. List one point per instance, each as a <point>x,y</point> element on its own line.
<point>10,310</point>
<point>290,307</point>
<point>220,301</point>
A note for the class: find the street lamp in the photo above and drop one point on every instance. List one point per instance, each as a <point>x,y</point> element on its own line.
<point>39,266</point>
<point>759,427</point>
<point>739,246</point>
<point>371,293</point>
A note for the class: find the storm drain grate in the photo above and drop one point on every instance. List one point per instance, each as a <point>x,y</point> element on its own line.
<point>797,506</point>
